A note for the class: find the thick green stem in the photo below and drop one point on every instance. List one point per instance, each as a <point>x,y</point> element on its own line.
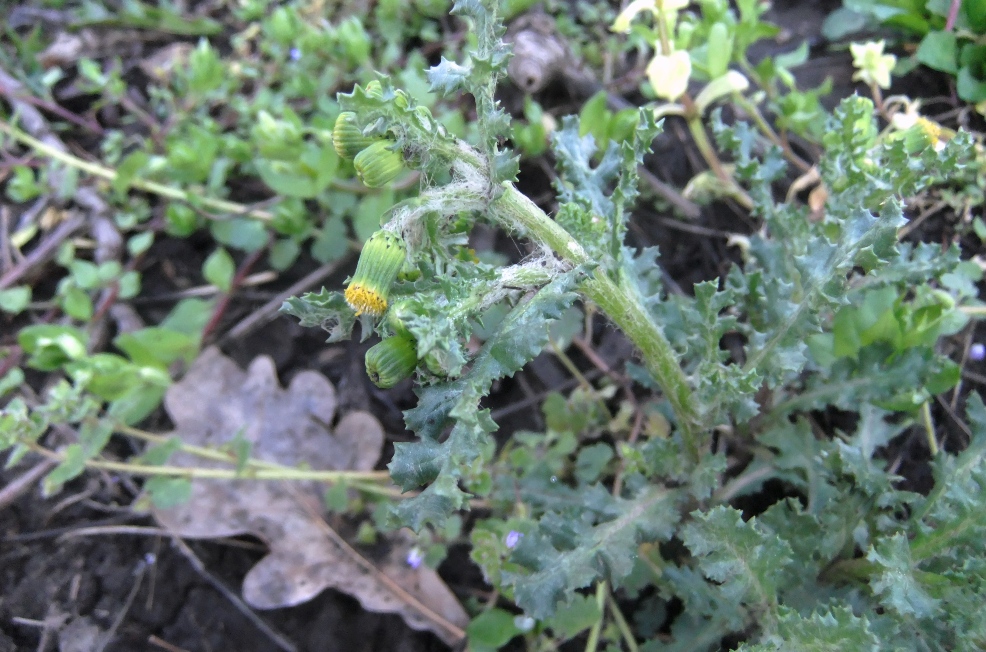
<point>620,303</point>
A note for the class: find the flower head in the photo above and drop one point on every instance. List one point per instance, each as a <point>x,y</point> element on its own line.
<point>917,131</point>
<point>391,361</point>
<point>872,65</point>
<point>513,538</point>
<point>348,138</point>
<point>977,352</point>
<point>378,164</point>
<point>669,73</point>
<point>623,20</point>
<point>379,263</point>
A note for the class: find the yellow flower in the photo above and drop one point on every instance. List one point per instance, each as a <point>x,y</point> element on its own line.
<point>669,73</point>
<point>872,65</point>
<point>379,263</point>
<point>623,20</point>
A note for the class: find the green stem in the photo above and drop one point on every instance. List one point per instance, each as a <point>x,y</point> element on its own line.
<point>593,641</point>
<point>849,570</point>
<point>754,112</point>
<point>110,174</point>
<point>708,152</point>
<point>929,428</point>
<point>362,480</point>
<point>621,304</point>
<point>198,451</point>
<point>621,623</point>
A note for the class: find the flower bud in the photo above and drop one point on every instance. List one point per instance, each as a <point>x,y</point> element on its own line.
<point>379,263</point>
<point>374,89</point>
<point>669,74</point>
<point>398,316</point>
<point>275,139</point>
<point>378,165</point>
<point>348,138</point>
<point>391,361</point>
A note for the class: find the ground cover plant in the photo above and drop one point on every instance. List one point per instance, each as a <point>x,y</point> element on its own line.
<point>784,454</point>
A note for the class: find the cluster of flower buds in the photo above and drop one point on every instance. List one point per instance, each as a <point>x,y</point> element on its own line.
<point>377,160</point>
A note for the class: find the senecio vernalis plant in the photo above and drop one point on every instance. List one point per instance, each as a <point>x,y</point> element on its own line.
<point>856,562</point>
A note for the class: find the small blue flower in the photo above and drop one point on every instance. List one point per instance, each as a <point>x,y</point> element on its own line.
<point>977,352</point>
<point>415,557</point>
<point>513,538</point>
<point>294,53</point>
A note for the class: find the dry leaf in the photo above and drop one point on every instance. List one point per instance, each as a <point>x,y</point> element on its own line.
<point>160,65</point>
<point>68,47</point>
<point>216,402</point>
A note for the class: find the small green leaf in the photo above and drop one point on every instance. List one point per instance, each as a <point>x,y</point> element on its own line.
<point>219,269</point>
<point>336,498</point>
<point>168,492</point>
<point>591,461</point>
<point>12,380</point>
<point>284,253</point>
<point>491,630</point>
<point>575,616</point>
<point>128,169</point>
<point>140,243</point>
<point>975,13</point>
<point>85,274</point>
<point>72,465</point>
<point>15,299</point>
<point>189,316</point>
<point>77,304</point>
<point>156,346</point>
<point>331,242</point>
<point>52,346</point>
<point>239,233</point>
<point>939,50</point>
<point>158,454</point>
<point>970,88</point>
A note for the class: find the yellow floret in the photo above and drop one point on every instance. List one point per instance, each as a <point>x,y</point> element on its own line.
<point>364,300</point>
<point>931,129</point>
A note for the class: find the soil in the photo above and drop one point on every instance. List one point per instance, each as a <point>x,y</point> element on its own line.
<point>65,586</point>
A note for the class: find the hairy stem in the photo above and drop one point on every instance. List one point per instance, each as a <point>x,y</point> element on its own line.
<point>620,303</point>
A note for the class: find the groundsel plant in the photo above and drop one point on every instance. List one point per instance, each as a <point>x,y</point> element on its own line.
<point>797,304</point>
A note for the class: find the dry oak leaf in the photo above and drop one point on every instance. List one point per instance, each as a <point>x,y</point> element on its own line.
<point>216,402</point>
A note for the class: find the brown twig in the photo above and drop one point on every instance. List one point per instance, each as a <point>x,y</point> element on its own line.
<point>16,487</point>
<point>223,303</point>
<point>268,311</point>
<point>46,249</point>
<point>276,637</point>
<point>14,97</point>
<point>164,645</point>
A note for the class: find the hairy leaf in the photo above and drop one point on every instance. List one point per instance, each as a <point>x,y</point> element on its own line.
<point>566,552</point>
<point>519,338</point>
